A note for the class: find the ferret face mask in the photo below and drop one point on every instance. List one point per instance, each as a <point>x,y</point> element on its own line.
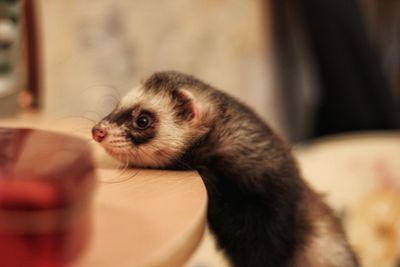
<point>150,127</point>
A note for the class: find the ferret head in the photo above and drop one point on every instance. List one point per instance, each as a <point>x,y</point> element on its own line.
<point>154,123</point>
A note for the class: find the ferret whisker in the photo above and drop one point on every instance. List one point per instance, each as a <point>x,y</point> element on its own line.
<point>115,148</point>
<point>94,112</point>
<point>157,161</point>
<point>114,98</point>
<point>125,164</point>
<point>77,117</point>
<point>127,167</point>
<point>80,130</point>
<point>120,142</point>
<point>151,156</point>
<point>137,155</point>
<point>97,86</point>
<point>115,90</point>
<point>121,169</point>
<point>180,163</point>
<point>88,140</point>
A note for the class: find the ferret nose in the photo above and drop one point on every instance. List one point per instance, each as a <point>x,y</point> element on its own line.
<point>99,133</point>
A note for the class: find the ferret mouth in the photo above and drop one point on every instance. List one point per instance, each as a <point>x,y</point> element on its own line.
<point>118,150</point>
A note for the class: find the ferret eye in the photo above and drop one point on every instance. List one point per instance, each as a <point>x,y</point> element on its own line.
<point>143,121</point>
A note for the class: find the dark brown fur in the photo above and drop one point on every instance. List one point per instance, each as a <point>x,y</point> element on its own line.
<point>260,209</point>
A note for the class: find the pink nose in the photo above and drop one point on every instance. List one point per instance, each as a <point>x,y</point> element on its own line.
<point>99,133</point>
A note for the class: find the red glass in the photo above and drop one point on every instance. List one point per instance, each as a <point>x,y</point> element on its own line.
<point>46,184</point>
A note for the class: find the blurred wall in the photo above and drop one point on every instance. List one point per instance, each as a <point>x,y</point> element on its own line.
<point>94,51</point>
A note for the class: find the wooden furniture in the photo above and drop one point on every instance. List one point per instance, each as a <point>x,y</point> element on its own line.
<point>140,217</point>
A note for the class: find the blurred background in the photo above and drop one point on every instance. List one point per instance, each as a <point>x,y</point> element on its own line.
<point>311,68</point>
<point>314,69</point>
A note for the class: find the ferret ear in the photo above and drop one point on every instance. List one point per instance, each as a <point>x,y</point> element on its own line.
<point>185,105</point>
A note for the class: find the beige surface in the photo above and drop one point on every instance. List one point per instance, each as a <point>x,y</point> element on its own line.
<point>141,217</point>
<point>345,167</point>
<point>359,175</point>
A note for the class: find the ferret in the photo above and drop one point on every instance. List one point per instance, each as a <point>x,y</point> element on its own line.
<point>260,210</point>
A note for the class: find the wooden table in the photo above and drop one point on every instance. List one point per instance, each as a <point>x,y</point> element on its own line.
<point>141,217</point>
